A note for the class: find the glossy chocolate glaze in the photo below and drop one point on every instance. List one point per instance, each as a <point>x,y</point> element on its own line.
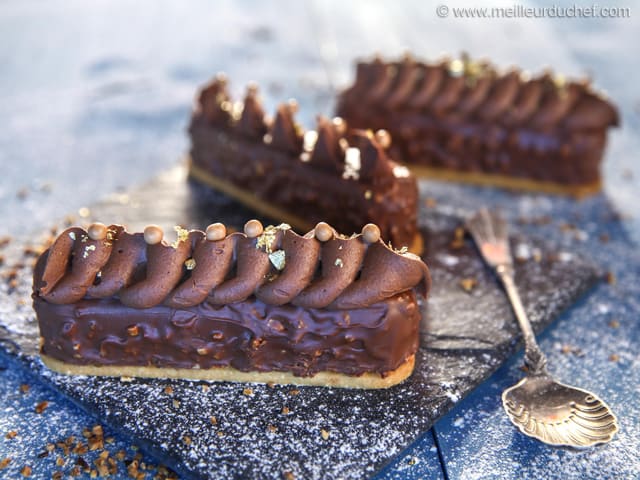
<point>248,336</point>
<point>463,115</point>
<point>310,180</point>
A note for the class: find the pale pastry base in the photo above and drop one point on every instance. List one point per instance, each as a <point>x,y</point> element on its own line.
<point>229,374</point>
<point>504,181</point>
<point>259,205</point>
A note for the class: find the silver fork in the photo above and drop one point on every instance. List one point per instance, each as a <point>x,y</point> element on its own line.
<point>538,405</point>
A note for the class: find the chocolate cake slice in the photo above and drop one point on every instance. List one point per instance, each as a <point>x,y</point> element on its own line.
<point>465,120</point>
<point>266,305</point>
<point>276,168</point>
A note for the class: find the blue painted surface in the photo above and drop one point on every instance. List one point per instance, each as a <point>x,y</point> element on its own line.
<point>94,97</point>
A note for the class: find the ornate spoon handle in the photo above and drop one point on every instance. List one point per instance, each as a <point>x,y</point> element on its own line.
<point>534,359</point>
<point>490,232</point>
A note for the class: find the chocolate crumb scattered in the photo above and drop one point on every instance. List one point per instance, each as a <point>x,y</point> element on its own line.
<point>168,389</point>
<point>220,433</point>
<point>186,440</point>
<point>611,278</point>
<point>4,241</point>
<point>247,391</point>
<point>26,471</point>
<point>324,433</point>
<point>604,238</point>
<point>614,323</point>
<point>205,387</point>
<point>288,476</point>
<point>213,420</point>
<point>4,463</point>
<point>458,239</point>
<point>614,357</point>
<point>295,391</point>
<point>57,475</point>
<point>11,434</point>
<point>285,410</point>
<point>42,406</point>
<point>468,284</point>
<point>272,428</point>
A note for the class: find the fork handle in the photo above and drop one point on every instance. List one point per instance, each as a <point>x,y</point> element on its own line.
<point>534,359</point>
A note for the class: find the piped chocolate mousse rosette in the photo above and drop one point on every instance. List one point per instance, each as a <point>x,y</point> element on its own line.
<point>266,305</point>
<point>302,177</point>
<point>465,120</point>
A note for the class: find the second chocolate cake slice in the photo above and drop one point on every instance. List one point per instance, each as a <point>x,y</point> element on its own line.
<point>276,168</point>
<point>465,120</point>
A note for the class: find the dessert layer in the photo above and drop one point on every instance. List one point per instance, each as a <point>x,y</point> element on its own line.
<point>249,336</point>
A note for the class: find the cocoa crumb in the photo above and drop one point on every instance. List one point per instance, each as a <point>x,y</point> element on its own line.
<point>604,238</point>
<point>57,475</point>
<point>272,428</point>
<point>4,241</point>
<point>324,433</point>
<point>468,284</point>
<point>614,323</point>
<point>271,385</point>
<point>59,461</point>
<point>11,434</point>
<point>295,391</point>
<point>213,420</point>
<point>4,463</point>
<point>220,433</point>
<point>168,390</point>
<point>614,357</point>
<point>41,407</point>
<point>458,239</point>
<point>26,471</point>
<point>247,391</point>
<point>23,193</point>
<point>611,278</point>
<point>24,388</point>
<point>288,476</point>
<point>285,410</point>
<point>186,440</point>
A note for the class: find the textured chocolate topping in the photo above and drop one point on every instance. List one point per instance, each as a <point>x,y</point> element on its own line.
<point>214,101</point>
<point>285,134</point>
<point>475,89</point>
<point>278,267</point>
<point>252,121</point>
<point>330,174</point>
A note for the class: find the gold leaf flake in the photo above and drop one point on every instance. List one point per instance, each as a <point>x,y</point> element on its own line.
<point>278,259</point>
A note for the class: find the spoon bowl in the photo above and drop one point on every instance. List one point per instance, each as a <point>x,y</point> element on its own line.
<point>558,414</point>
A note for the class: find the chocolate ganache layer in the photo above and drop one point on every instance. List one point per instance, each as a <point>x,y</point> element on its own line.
<point>464,119</point>
<point>275,167</point>
<point>267,300</point>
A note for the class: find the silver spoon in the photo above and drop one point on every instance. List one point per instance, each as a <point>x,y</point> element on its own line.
<point>538,405</point>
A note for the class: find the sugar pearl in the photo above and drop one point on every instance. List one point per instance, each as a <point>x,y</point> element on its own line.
<point>253,228</point>
<point>323,232</point>
<point>371,233</point>
<point>384,138</point>
<point>153,234</point>
<point>97,231</point>
<point>216,231</point>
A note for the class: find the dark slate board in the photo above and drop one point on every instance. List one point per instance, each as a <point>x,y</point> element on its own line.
<point>465,337</point>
